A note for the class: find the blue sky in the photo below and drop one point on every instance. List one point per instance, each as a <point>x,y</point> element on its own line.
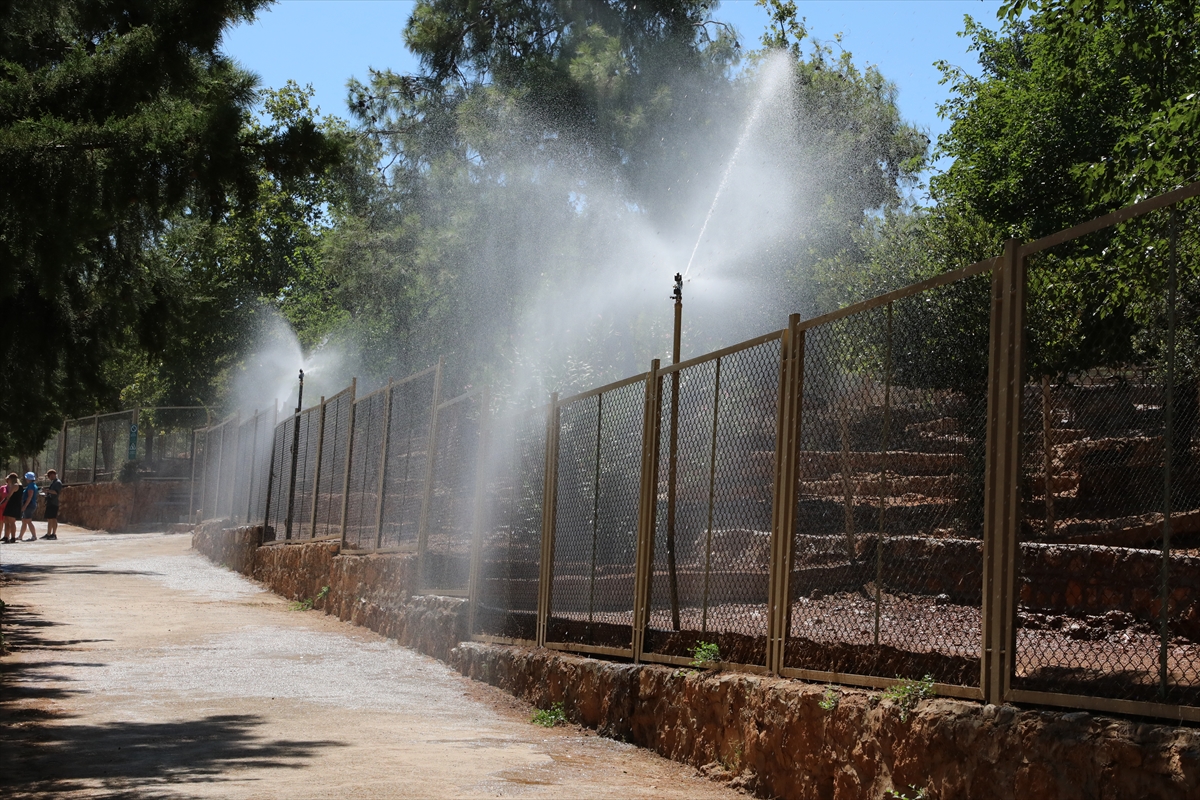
<point>325,42</point>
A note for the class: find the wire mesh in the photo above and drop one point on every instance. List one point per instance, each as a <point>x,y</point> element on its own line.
<point>112,445</point>
<point>243,469</point>
<point>164,441</point>
<point>407,462</point>
<point>306,473</point>
<point>886,575</point>
<point>1108,593</point>
<point>261,465</point>
<point>199,459</point>
<point>510,553</point>
<point>80,450</point>
<point>214,456</point>
<point>335,441</point>
<point>713,517</point>
<point>276,514</point>
<point>362,506</point>
<point>595,531</point>
<point>446,555</point>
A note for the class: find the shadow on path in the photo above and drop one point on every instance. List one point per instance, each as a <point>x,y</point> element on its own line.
<point>45,751</point>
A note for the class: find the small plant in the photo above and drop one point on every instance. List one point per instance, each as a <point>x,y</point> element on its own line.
<point>733,763</point>
<point>549,717</point>
<point>307,603</point>
<point>829,700</point>
<point>705,654</point>
<point>907,693</point>
<point>918,794</point>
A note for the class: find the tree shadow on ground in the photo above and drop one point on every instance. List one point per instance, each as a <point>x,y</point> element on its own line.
<point>45,751</point>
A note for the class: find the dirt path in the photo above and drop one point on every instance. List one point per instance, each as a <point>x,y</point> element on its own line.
<point>140,669</point>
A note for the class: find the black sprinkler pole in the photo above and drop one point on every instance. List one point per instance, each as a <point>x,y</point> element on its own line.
<point>672,470</point>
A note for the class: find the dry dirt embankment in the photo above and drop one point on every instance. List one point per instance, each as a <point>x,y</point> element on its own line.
<point>139,669</point>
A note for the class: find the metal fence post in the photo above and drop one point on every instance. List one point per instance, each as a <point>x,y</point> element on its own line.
<point>1001,473</point>
<point>647,509</point>
<point>271,478</point>
<point>430,470</point>
<point>95,444</point>
<point>783,517</point>
<point>383,455</point>
<point>549,499</point>
<point>192,486</point>
<point>61,466</point>
<point>479,512</point>
<point>349,454</point>
<point>1164,598</point>
<point>316,484</point>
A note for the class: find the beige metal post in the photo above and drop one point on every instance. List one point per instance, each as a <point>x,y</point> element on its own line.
<point>349,456</point>
<point>647,509</point>
<point>783,518</point>
<point>383,454</point>
<point>316,484</point>
<point>1001,490</point>
<point>549,500</point>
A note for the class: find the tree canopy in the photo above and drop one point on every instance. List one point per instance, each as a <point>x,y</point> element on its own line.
<point>115,118</point>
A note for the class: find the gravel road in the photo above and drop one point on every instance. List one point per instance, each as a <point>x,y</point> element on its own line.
<point>138,669</point>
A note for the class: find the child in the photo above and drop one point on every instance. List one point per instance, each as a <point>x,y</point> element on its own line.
<point>29,506</point>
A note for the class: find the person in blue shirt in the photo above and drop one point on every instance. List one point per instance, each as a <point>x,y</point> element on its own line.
<point>29,506</point>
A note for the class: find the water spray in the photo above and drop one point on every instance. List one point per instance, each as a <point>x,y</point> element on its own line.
<point>672,472</point>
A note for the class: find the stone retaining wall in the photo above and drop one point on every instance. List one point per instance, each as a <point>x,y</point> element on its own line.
<point>770,736</point>
<point>114,506</point>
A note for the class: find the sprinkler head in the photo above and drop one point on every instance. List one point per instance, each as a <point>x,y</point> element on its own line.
<point>677,295</point>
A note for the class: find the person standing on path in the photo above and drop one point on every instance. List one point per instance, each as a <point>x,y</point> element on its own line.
<point>52,491</point>
<point>10,506</point>
<point>29,506</point>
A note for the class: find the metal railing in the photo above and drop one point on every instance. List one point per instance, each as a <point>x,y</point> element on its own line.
<point>139,443</point>
<point>946,481</point>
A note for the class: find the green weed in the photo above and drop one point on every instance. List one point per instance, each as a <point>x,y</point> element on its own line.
<point>307,603</point>
<point>907,693</point>
<point>829,700</point>
<point>919,794</point>
<point>705,654</point>
<point>549,717</point>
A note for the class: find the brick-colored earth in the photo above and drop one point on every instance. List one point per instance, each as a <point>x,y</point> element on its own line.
<point>137,668</point>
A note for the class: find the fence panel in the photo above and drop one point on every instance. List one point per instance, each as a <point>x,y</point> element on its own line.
<point>112,445</point>
<point>276,514</point>
<point>243,470</point>
<point>596,509</point>
<point>368,435</point>
<point>711,568</point>
<point>80,451</point>
<point>260,470</point>
<point>335,441</point>
<point>887,557</point>
<point>306,473</point>
<point>164,443</point>
<point>1108,575</point>
<point>507,599</point>
<point>446,550</point>
<point>407,463</point>
<point>214,449</point>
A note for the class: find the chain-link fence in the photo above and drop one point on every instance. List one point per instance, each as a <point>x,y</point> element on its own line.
<point>451,503</point>
<point>406,464</point>
<point>887,558</point>
<point>987,480</point>
<point>711,570</point>
<point>1109,579</point>
<point>369,436</point>
<point>334,448</point>
<point>596,509</point>
<point>79,461</point>
<point>506,603</point>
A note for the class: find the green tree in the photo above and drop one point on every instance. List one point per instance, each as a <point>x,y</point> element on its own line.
<point>115,117</point>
